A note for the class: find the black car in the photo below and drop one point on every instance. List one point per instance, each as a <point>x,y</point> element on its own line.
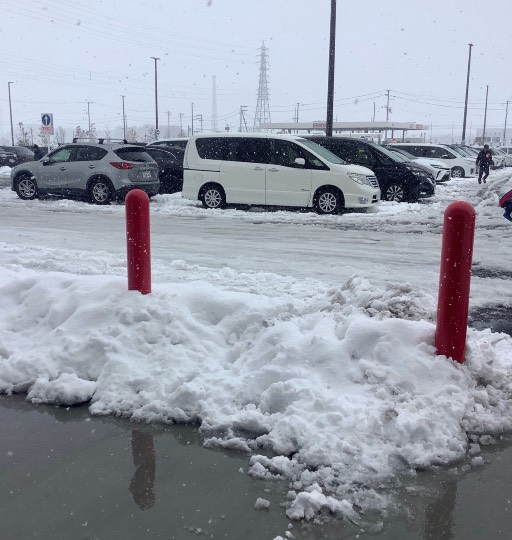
<point>20,153</point>
<point>170,165</point>
<point>399,180</point>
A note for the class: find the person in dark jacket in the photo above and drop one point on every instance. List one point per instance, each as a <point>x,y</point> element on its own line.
<point>38,153</point>
<point>483,162</point>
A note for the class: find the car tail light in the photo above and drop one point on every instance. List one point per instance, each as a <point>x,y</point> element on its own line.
<point>122,165</point>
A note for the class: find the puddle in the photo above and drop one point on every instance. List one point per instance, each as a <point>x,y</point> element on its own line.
<point>497,318</point>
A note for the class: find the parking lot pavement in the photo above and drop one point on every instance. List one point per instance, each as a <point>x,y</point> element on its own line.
<point>68,475</point>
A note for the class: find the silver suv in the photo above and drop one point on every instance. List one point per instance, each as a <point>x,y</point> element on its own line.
<point>98,172</point>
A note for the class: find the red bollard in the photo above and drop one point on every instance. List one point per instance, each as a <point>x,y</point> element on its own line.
<point>138,241</point>
<point>454,280</point>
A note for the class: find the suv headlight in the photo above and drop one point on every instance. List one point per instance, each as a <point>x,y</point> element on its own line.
<point>359,178</point>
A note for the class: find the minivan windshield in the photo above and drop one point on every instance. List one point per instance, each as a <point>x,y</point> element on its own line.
<point>322,152</point>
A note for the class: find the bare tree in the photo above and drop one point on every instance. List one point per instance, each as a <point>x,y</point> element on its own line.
<point>23,138</point>
<point>131,134</point>
<point>80,133</point>
<point>60,135</point>
<point>108,135</point>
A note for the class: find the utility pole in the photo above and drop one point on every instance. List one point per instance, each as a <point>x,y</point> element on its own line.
<point>89,115</point>
<point>373,118</point>
<point>466,100</point>
<point>330,81</point>
<point>505,128</point>
<point>485,113</point>
<point>124,121</point>
<point>192,119</point>
<point>168,124</point>
<point>10,111</point>
<point>182,134</point>
<point>243,108</point>
<point>156,96</point>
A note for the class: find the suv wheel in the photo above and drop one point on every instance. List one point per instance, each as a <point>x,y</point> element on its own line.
<point>457,172</point>
<point>26,187</point>
<point>213,197</point>
<point>100,191</point>
<point>328,201</point>
<point>394,192</point>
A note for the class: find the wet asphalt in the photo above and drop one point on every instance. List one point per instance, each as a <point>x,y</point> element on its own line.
<point>66,475</point>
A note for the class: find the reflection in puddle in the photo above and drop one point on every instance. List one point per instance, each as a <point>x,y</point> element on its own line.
<point>144,461</point>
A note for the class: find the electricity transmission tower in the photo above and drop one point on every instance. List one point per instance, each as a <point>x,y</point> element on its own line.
<point>262,105</point>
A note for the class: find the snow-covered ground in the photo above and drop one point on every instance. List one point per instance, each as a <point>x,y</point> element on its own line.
<point>305,341</point>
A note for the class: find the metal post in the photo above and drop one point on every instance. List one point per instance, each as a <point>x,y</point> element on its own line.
<point>138,241</point>
<point>89,117</point>
<point>124,121</point>
<point>192,119</point>
<point>485,113</point>
<point>466,100</point>
<point>10,111</point>
<point>454,280</point>
<point>330,83</point>
<point>505,127</point>
<point>156,96</point>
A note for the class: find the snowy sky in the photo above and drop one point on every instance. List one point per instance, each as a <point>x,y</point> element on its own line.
<point>305,341</point>
<point>61,55</point>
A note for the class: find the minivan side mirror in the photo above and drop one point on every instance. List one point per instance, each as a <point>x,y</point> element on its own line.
<point>300,162</point>
<point>45,161</point>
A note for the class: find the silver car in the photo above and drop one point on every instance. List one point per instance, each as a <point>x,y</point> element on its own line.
<point>98,172</point>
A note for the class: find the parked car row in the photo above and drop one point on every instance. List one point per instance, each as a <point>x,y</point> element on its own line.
<point>11,156</point>
<point>324,173</point>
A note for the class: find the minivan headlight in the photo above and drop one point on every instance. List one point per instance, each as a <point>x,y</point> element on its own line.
<point>359,178</point>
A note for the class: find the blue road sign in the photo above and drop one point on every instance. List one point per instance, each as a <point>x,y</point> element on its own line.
<point>46,119</point>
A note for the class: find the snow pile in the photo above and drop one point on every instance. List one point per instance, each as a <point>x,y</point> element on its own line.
<point>334,390</point>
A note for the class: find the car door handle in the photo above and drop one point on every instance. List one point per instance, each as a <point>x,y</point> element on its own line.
<point>92,166</point>
<point>274,170</point>
<point>258,168</point>
<point>62,168</point>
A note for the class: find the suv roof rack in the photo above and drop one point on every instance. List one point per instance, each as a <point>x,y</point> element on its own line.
<point>101,140</point>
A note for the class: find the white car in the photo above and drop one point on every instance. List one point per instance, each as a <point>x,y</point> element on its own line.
<point>441,172</point>
<point>507,157</point>
<point>460,166</point>
<point>263,169</point>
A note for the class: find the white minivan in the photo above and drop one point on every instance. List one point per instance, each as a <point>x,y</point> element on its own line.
<point>263,169</point>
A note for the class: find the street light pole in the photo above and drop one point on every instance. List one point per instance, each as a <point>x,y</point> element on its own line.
<point>156,96</point>
<point>330,83</point>
<point>466,100</point>
<point>505,128</point>
<point>485,113</point>
<point>10,111</point>
<point>124,121</point>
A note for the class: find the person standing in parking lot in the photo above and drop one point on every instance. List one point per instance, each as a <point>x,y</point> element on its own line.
<point>38,153</point>
<point>483,162</point>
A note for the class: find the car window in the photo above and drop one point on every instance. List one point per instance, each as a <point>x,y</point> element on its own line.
<point>247,150</point>
<point>324,151</point>
<point>133,153</point>
<point>439,152</point>
<point>210,148</point>
<point>88,153</point>
<point>61,154</point>
<point>285,153</point>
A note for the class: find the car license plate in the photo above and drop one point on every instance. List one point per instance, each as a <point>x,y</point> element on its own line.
<point>12,160</point>
<point>146,174</point>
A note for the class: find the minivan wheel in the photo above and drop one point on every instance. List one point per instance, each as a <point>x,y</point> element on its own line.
<point>100,191</point>
<point>394,192</point>
<point>213,197</point>
<point>26,187</point>
<point>457,172</point>
<point>328,201</point>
